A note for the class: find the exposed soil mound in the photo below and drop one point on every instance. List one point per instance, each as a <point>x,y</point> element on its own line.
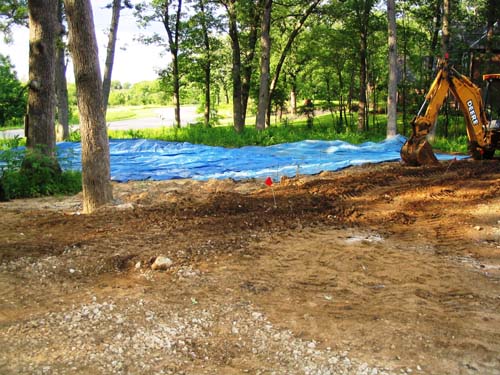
<point>370,270</point>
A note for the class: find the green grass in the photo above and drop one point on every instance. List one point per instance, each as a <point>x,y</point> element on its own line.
<point>458,144</point>
<point>324,128</point>
<point>226,136</point>
<point>12,127</point>
<point>9,143</point>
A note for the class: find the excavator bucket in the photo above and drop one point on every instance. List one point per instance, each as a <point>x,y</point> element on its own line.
<point>418,151</point>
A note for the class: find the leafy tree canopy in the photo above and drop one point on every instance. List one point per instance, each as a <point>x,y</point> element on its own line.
<point>12,12</point>
<point>12,94</point>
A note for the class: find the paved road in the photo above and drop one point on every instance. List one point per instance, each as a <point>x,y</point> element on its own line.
<point>165,117</point>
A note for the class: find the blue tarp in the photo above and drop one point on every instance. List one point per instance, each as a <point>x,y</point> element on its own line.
<point>141,159</point>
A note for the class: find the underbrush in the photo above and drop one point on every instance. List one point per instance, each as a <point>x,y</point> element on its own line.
<point>457,144</point>
<point>26,174</point>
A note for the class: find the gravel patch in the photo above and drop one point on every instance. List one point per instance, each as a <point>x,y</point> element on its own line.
<point>133,337</point>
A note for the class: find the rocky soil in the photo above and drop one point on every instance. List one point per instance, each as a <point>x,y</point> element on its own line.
<point>379,269</point>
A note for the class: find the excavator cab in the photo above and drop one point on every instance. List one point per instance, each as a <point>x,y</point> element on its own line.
<point>492,100</point>
<point>482,115</point>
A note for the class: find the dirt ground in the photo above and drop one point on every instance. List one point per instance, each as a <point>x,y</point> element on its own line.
<point>378,269</point>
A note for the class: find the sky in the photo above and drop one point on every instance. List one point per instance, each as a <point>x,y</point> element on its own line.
<point>134,62</point>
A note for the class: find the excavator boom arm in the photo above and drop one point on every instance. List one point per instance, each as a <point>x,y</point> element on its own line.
<point>423,124</point>
<point>417,150</point>
<point>469,98</point>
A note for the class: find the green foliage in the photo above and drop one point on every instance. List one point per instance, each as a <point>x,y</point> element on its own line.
<point>225,136</point>
<point>12,95</point>
<point>141,93</point>
<point>12,12</point>
<point>458,144</point>
<point>325,127</point>
<point>9,143</point>
<point>25,174</point>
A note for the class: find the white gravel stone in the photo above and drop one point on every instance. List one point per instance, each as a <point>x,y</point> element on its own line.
<point>162,263</point>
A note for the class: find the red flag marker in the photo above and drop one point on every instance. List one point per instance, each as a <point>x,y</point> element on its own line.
<point>269,182</point>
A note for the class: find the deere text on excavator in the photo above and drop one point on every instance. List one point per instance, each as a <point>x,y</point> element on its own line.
<point>483,132</point>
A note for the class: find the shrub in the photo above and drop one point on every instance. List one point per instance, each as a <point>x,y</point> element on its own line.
<point>25,174</point>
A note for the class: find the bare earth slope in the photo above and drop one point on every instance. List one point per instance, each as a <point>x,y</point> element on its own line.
<point>380,269</point>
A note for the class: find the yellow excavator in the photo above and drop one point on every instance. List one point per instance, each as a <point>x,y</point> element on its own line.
<point>483,133</point>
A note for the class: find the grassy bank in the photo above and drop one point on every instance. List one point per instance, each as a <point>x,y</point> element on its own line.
<point>324,128</point>
<point>226,136</point>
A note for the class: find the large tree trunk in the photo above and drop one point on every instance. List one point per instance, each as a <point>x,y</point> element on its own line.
<point>97,189</point>
<point>110,53</point>
<point>43,25</point>
<point>265,40</point>
<point>393,70</point>
<point>61,83</point>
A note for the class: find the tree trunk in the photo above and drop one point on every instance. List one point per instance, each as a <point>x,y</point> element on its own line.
<point>61,84</point>
<point>363,15</point>
<point>62,93</point>
<point>405,72</point>
<point>238,118</point>
<point>176,86</point>
<point>393,70</point>
<point>350,97</point>
<point>110,53</point>
<point>329,97</point>
<point>247,66</point>
<point>341,99</point>
<point>362,83</point>
<point>492,16</point>
<point>434,42</point>
<point>265,40</point>
<point>445,44</point>
<point>293,99</point>
<point>241,72</point>
<point>207,109</point>
<point>207,66</point>
<point>97,189</point>
<point>40,130</point>
<point>445,39</point>
<point>285,52</point>
<point>173,43</point>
